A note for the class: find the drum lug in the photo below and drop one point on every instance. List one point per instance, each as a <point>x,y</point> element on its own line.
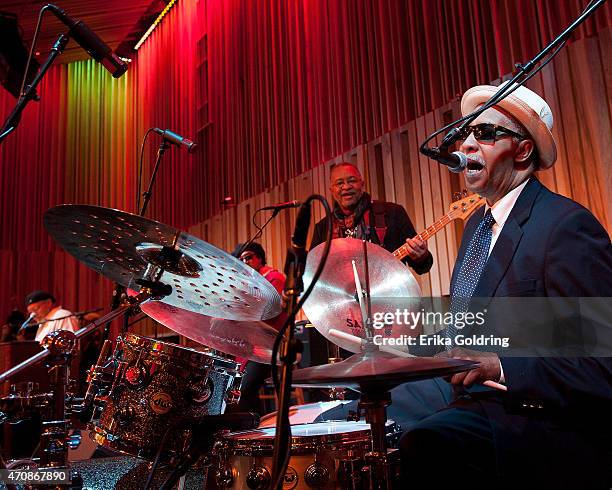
<point>224,477</point>
<point>316,475</point>
<point>353,416</point>
<point>258,478</point>
<point>125,415</point>
<point>349,473</point>
<point>233,394</point>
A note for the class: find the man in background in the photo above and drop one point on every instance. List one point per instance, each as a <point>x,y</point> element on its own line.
<point>42,306</point>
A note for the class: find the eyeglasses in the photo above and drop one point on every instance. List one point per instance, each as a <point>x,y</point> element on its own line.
<point>487,133</point>
<point>351,181</point>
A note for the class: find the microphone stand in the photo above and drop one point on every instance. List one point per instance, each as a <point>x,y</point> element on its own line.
<point>119,291</point>
<point>30,92</point>
<point>519,79</point>
<point>288,355</point>
<point>258,234</point>
<point>289,346</point>
<point>147,194</point>
<point>78,314</point>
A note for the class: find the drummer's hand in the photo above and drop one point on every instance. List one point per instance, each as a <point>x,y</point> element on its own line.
<point>489,369</point>
<point>417,248</point>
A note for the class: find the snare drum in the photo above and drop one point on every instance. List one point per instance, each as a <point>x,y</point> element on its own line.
<point>323,455</point>
<point>157,389</point>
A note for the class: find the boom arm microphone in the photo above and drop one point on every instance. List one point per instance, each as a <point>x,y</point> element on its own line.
<point>176,139</point>
<point>455,161</point>
<point>282,205</point>
<point>90,42</point>
<point>25,324</point>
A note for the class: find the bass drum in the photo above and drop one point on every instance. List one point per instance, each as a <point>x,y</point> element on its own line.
<point>326,455</point>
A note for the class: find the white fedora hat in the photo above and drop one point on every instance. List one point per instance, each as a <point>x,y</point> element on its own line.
<point>525,106</point>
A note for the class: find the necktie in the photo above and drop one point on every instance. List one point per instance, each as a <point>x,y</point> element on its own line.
<point>473,263</point>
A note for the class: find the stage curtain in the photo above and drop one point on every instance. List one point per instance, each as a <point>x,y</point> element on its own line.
<point>273,90</point>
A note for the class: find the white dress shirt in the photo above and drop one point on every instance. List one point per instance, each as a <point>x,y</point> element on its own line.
<point>500,211</point>
<point>52,324</point>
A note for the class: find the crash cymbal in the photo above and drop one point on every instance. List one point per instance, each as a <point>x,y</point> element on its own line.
<point>252,340</point>
<point>333,304</point>
<point>128,249</point>
<point>379,368</point>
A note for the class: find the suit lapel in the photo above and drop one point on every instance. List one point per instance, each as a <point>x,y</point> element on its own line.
<point>507,242</point>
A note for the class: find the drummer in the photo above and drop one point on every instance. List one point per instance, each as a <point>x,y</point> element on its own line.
<point>255,373</point>
<point>49,314</point>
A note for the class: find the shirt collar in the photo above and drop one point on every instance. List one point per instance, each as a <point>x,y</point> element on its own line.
<point>502,208</point>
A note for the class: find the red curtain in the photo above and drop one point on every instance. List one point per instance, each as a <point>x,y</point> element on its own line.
<point>268,89</point>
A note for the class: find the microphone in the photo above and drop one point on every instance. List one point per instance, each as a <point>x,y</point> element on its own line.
<point>455,161</point>
<point>176,139</point>
<point>232,421</point>
<point>90,42</point>
<point>295,262</point>
<point>300,232</point>
<point>282,205</point>
<point>25,324</point>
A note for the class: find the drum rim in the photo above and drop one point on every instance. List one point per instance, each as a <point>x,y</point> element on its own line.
<point>179,352</point>
<point>244,447</point>
<point>100,436</point>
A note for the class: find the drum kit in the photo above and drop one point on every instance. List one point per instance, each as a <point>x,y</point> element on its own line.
<point>165,403</point>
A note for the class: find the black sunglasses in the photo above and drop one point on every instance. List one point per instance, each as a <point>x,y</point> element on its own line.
<point>487,133</point>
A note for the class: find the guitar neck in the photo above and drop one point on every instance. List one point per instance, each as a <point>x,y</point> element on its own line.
<point>425,235</point>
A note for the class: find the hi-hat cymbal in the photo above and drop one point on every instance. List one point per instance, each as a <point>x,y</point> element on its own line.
<point>252,340</point>
<point>379,369</point>
<point>333,305</point>
<point>128,249</point>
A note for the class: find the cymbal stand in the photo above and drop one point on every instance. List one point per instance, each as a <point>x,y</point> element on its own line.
<point>333,352</point>
<point>374,399</point>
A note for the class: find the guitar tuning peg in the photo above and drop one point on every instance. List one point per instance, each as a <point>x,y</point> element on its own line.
<point>464,192</point>
<point>456,196</point>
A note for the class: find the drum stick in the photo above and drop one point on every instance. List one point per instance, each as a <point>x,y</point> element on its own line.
<point>385,348</point>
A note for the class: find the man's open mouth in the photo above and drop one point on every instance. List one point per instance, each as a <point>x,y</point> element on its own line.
<point>474,166</point>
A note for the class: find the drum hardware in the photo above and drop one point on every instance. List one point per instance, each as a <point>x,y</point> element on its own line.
<point>23,400</point>
<point>57,354</point>
<point>334,356</point>
<point>323,455</point>
<point>205,432</point>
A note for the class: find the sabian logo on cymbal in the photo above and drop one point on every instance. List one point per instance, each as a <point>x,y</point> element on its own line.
<point>161,403</point>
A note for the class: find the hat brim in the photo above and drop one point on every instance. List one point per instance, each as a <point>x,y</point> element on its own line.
<point>543,138</point>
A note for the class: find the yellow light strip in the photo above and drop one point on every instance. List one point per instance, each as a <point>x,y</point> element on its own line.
<point>154,25</point>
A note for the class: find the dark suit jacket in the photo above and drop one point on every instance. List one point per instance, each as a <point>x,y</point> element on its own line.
<point>399,228</point>
<point>549,246</point>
